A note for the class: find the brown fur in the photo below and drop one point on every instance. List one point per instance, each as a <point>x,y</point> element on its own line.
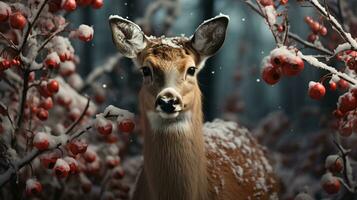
<point>178,165</point>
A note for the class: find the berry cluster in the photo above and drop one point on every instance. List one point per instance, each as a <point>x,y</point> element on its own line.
<point>281,61</point>
<point>43,111</point>
<point>316,28</point>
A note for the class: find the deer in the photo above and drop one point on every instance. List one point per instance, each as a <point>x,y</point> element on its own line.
<point>185,159</point>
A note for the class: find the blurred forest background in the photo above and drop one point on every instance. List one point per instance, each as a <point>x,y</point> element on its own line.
<point>231,79</point>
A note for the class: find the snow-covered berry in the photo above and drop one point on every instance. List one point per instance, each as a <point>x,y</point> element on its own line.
<point>97,4</point>
<point>5,11</point>
<point>53,86</point>
<point>85,33</point>
<point>103,126</point>
<point>42,141</point>
<point>61,168</point>
<point>42,114</point>
<point>271,75</point>
<point>33,187</point>
<point>18,21</point>
<point>316,90</point>
<point>73,164</point>
<point>126,125</point>
<point>330,183</point>
<point>77,147</point>
<point>334,163</point>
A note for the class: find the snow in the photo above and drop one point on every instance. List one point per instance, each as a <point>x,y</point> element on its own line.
<point>85,30</point>
<point>4,9</point>
<point>342,47</point>
<point>53,56</point>
<point>42,136</point>
<point>270,12</point>
<point>222,138</point>
<point>60,163</point>
<point>76,81</point>
<point>331,160</point>
<point>31,183</point>
<point>120,113</point>
<point>315,62</point>
<point>303,196</point>
<point>327,178</point>
<point>67,67</point>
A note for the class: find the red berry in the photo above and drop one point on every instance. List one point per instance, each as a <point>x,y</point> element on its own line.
<point>106,129</point>
<point>347,102</point>
<point>17,20</point>
<point>333,86</point>
<point>293,67</point>
<point>278,60</point>
<point>118,173</point>
<point>73,164</point>
<point>266,2</point>
<point>43,90</point>
<point>283,2</point>
<point>280,28</point>
<point>5,64</point>
<point>334,163</point>
<point>49,160</point>
<point>112,161</point>
<point>126,125</point>
<point>308,19</point>
<point>312,37</point>
<point>5,11</point>
<point>337,113</point>
<point>33,187</point>
<point>271,75</point>
<point>53,86</point>
<point>51,64</point>
<point>343,85</point>
<point>41,141</point>
<point>97,4</point>
<point>69,5</point>
<point>316,90</point>
<point>111,139</point>
<point>90,155</point>
<point>64,101</point>
<point>330,183</point>
<point>77,147</point>
<point>42,114</point>
<point>323,31</point>
<point>315,27</point>
<point>46,103</point>
<point>61,168</point>
<point>352,63</point>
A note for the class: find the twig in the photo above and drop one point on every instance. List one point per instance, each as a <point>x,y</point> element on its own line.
<point>12,45</point>
<point>52,36</point>
<point>309,44</point>
<point>31,25</point>
<point>344,155</point>
<point>17,165</point>
<point>346,36</point>
<point>292,35</point>
<point>79,119</point>
<point>314,62</point>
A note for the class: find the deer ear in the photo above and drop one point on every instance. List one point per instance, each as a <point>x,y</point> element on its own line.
<point>210,35</point>
<point>127,36</point>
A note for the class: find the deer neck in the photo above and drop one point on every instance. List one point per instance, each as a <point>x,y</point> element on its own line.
<point>174,156</point>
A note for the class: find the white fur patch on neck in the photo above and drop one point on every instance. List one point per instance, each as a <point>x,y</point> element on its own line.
<point>181,124</point>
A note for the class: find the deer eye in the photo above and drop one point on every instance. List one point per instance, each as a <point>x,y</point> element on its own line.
<point>191,71</point>
<point>146,71</point>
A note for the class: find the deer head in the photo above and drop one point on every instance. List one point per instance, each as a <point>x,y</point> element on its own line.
<point>170,91</point>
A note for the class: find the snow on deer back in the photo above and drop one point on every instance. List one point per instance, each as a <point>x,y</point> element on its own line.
<point>237,165</point>
<point>183,159</point>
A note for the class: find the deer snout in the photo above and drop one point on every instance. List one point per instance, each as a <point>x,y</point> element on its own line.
<point>168,101</point>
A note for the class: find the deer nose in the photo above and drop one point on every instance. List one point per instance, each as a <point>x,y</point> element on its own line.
<point>168,102</point>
